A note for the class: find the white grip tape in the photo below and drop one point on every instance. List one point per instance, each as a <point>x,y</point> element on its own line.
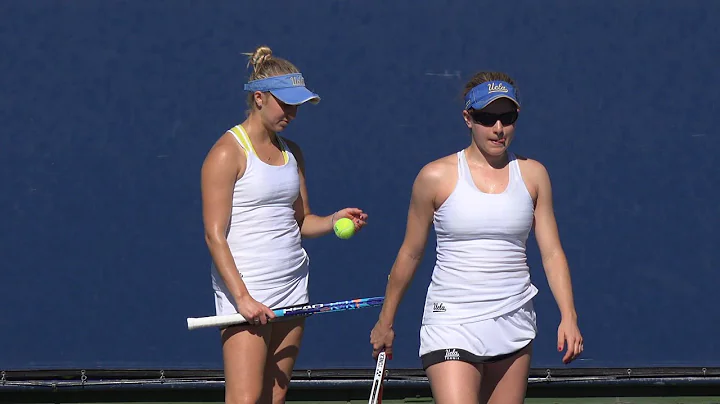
<point>215,321</point>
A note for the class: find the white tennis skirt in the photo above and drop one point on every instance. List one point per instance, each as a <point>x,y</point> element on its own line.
<point>273,296</point>
<point>481,341</point>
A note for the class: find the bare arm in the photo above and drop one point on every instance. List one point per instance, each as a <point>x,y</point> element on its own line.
<point>218,175</point>
<point>556,267</point>
<point>419,219</point>
<point>311,225</point>
<point>553,257</point>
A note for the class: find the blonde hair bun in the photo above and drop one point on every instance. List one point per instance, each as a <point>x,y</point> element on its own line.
<point>257,58</point>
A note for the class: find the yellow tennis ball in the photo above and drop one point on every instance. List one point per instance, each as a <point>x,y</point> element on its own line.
<point>344,228</point>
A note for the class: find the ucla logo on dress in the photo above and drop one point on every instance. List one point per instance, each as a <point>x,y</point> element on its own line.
<point>452,355</point>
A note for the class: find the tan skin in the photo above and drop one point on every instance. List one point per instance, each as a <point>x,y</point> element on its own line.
<point>258,358</point>
<point>504,381</point>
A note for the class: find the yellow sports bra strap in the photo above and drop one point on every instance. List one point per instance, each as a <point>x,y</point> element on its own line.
<point>284,147</point>
<point>244,139</point>
<point>242,136</point>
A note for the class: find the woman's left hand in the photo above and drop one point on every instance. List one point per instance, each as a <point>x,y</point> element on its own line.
<point>358,217</point>
<point>568,332</point>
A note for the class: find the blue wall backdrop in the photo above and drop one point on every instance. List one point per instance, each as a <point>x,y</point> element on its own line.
<point>107,110</point>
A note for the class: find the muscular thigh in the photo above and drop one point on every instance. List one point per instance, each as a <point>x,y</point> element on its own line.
<point>454,382</point>
<point>244,355</point>
<point>283,350</point>
<point>505,381</point>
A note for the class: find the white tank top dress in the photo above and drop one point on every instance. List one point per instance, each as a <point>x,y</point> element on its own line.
<point>478,306</point>
<point>263,235</point>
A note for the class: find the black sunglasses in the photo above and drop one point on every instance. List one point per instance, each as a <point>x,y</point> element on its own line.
<point>488,119</point>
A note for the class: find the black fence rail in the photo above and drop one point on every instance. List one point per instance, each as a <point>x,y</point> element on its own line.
<point>106,385</point>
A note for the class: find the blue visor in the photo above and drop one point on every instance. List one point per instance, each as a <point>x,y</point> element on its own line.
<point>485,93</point>
<point>288,88</point>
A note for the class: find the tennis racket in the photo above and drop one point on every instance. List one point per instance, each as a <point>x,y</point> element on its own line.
<point>377,386</point>
<point>305,310</point>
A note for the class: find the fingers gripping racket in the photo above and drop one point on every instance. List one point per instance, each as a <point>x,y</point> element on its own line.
<point>377,386</point>
<point>305,310</point>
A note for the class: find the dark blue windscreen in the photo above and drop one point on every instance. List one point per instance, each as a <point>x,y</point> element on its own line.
<point>108,108</point>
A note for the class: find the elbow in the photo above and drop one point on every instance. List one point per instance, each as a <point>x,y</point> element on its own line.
<point>413,254</point>
<point>416,256</point>
<point>554,260</point>
<point>552,253</point>
<point>305,233</point>
<point>213,239</point>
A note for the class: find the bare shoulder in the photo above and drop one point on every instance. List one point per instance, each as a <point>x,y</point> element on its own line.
<point>436,180</point>
<point>437,171</point>
<point>532,169</point>
<point>535,176</point>
<point>225,153</point>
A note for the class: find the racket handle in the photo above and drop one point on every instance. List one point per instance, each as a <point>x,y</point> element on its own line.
<point>376,390</point>
<point>215,321</point>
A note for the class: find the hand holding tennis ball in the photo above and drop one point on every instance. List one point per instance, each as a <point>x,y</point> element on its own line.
<point>348,222</point>
<point>344,228</point>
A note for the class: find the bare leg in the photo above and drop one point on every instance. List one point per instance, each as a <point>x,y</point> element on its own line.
<point>244,355</point>
<point>283,350</point>
<point>454,382</point>
<point>505,381</point>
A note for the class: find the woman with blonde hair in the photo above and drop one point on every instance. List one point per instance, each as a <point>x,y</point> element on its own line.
<point>255,214</point>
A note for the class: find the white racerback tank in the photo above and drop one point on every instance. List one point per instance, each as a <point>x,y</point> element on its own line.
<point>481,270</point>
<point>263,235</point>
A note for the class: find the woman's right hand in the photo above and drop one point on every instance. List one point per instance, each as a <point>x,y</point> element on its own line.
<point>254,311</point>
<point>381,338</point>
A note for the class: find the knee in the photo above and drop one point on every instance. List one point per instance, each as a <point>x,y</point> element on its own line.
<point>242,398</point>
<point>274,395</point>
